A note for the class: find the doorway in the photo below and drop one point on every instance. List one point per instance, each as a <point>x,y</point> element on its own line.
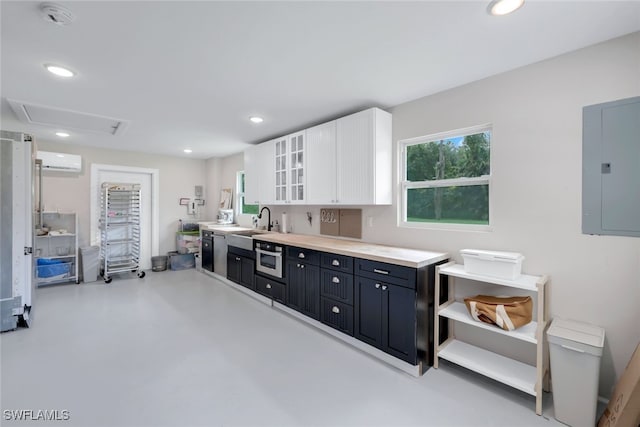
<point>149,209</point>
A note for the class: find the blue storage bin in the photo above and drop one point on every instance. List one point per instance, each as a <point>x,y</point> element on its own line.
<point>47,261</point>
<point>52,268</point>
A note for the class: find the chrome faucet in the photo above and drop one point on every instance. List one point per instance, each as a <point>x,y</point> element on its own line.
<point>268,217</point>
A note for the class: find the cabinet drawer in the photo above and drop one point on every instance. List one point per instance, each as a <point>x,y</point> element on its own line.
<point>336,285</point>
<point>207,234</point>
<point>390,273</point>
<point>270,288</point>
<point>241,252</point>
<point>337,315</point>
<point>307,255</point>
<point>337,262</point>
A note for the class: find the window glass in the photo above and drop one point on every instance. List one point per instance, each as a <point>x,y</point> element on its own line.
<point>446,178</point>
<point>242,207</point>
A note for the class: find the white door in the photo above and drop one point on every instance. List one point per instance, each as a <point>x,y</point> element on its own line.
<point>146,194</point>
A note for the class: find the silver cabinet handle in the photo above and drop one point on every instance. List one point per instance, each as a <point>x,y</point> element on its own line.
<point>301,265</point>
<point>268,286</point>
<point>384,287</point>
<point>375,270</point>
<point>301,255</point>
<point>377,285</point>
<point>237,259</point>
<point>335,309</point>
<point>335,262</point>
<point>298,265</point>
<point>335,280</point>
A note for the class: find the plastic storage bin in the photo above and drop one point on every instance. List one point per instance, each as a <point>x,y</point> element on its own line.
<point>188,242</point>
<point>504,265</point>
<point>181,261</point>
<point>90,257</point>
<point>53,269</point>
<point>575,349</point>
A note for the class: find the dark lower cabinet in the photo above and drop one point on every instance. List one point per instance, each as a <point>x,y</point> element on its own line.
<point>233,268</point>
<point>337,285</point>
<point>385,317</point>
<point>270,288</point>
<point>337,315</point>
<point>240,267</point>
<point>399,322</point>
<point>303,289</point>
<point>240,270</point>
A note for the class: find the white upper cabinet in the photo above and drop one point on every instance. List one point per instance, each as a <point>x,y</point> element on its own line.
<point>363,158</point>
<point>321,167</point>
<point>290,180</point>
<point>252,175</point>
<point>281,146</point>
<point>297,169</point>
<point>345,162</point>
<point>258,174</point>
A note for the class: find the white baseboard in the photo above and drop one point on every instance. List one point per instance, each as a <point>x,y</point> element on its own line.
<point>414,371</point>
<point>405,367</point>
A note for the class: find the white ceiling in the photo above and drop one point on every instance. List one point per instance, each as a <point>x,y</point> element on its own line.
<point>189,74</point>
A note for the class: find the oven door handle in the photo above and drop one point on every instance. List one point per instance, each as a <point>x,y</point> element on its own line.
<point>277,254</point>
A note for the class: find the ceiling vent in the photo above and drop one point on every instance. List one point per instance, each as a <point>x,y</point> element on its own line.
<point>56,14</point>
<point>66,119</point>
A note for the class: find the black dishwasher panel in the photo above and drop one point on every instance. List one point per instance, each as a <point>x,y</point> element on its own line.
<point>207,250</point>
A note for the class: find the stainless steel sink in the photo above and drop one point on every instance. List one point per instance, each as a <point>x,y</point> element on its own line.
<point>249,232</point>
<point>242,239</point>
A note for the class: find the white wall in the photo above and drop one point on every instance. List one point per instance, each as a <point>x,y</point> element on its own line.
<point>536,112</point>
<point>222,173</point>
<point>71,192</point>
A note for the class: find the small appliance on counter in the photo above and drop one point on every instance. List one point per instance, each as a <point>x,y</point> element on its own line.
<point>225,216</point>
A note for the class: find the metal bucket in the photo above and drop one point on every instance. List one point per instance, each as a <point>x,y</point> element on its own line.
<point>159,263</point>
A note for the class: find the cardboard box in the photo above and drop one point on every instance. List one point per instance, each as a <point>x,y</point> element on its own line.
<point>624,406</point>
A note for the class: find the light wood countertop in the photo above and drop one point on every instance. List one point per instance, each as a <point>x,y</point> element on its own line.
<point>400,256</point>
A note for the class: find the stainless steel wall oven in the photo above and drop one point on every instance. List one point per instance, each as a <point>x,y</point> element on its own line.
<point>270,259</point>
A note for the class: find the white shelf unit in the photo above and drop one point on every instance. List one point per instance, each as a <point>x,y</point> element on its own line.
<point>527,378</point>
<point>59,248</point>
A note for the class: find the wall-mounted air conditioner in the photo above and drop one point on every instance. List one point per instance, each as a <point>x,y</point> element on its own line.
<point>60,162</point>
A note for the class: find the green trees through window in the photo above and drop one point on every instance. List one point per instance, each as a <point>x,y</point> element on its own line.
<point>447,179</point>
<point>244,208</point>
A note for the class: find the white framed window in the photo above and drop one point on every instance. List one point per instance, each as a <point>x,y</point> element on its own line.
<point>446,180</point>
<point>241,207</point>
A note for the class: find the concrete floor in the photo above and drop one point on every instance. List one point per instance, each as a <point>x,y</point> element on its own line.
<point>184,349</point>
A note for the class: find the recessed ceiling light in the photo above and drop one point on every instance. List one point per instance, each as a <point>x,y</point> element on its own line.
<point>62,134</point>
<point>504,7</point>
<point>256,119</point>
<point>188,150</point>
<point>59,71</point>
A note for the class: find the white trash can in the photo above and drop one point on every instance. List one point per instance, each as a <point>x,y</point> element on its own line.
<point>575,350</point>
<point>90,263</point>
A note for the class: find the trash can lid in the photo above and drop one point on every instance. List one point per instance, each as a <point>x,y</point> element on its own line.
<point>563,331</point>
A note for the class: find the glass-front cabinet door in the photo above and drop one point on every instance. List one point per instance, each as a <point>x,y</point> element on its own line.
<point>281,170</point>
<point>296,167</point>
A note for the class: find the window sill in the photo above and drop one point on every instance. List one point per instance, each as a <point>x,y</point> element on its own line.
<point>473,228</point>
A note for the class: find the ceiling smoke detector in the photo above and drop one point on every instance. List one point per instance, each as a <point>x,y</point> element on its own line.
<point>56,14</point>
